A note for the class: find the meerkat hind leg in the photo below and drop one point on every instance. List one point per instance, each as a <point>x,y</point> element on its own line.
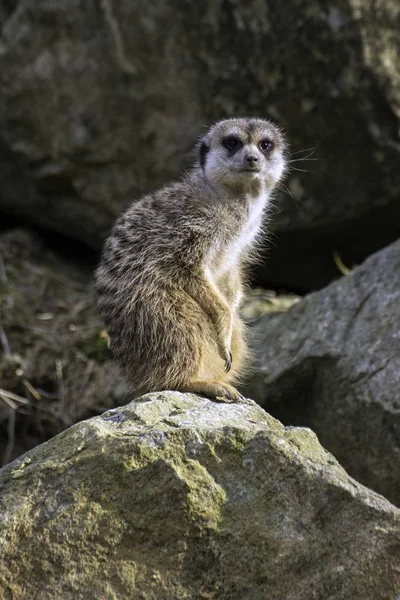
<point>214,390</point>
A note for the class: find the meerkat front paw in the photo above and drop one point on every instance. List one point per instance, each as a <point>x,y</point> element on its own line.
<point>227,393</point>
<point>215,390</point>
<point>226,356</point>
<point>228,362</point>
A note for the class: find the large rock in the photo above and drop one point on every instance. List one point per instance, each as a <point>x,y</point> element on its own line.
<point>332,362</point>
<point>177,497</point>
<point>99,105</point>
<point>54,364</point>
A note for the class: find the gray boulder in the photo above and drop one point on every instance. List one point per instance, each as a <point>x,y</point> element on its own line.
<point>332,362</point>
<point>98,105</point>
<point>176,497</point>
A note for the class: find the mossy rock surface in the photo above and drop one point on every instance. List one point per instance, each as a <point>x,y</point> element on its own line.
<point>177,497</point>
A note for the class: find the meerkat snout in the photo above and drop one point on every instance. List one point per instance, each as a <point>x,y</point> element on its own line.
<point>236,152</point>
<point>252,160</point>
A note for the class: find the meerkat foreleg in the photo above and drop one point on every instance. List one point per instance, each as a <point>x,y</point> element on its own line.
<point>212,302</point>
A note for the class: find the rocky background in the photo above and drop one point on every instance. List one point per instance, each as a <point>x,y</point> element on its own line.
<point>102,101</point>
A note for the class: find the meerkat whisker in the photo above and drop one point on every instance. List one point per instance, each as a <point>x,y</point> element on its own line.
<point>284,189</point>
<point>311,150</point>
<point>301,159</point>
<point>290,169</point>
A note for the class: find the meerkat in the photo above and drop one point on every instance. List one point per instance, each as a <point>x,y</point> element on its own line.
<point>171,276</point>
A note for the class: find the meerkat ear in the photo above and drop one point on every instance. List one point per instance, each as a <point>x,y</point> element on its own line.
<point>203,151</point>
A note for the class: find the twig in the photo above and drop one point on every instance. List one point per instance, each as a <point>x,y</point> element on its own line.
<point>86,378</point>
<point>10,403</point>
<point>48,395</point>
<point>31,389</point>
<point>11,396</point>
<point>60,385</point>
<point>340,264</point>
<point>11,437</point>
<point>4,342</point>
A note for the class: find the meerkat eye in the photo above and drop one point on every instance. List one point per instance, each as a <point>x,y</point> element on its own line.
<point>232,143</point>
<point>266,145</point>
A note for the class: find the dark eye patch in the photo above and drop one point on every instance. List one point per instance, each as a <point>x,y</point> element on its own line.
<point>232,143</point>
<point>204,149</point>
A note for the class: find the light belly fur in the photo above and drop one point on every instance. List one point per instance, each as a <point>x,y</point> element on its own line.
<point>232,254</point>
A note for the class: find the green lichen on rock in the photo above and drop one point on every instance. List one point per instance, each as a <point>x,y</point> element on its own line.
<point>177,497</point>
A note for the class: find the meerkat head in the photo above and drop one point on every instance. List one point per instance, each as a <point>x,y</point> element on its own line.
<point>238,153</point>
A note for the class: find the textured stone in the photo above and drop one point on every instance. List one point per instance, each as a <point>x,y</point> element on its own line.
<point>99,105</point>
<point>176,497</point>
<point>332,362</point>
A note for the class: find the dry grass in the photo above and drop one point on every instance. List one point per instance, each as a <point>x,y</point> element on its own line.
<point>55,368</point>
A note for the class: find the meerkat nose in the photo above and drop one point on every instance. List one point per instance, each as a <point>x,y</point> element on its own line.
<point>252,159</point>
